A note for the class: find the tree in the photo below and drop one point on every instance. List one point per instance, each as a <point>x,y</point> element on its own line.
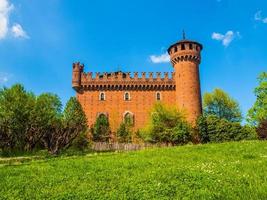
<point>15,109</point>
<point>46,111</point>
<point>258,113</point>
<point>166,125</point>
<point>65,128</point>
<point>101,129</point>
<point>220,104</point>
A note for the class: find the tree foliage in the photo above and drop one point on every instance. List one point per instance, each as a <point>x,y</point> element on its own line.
<point>258,113</point>
<point>15,111</point>
<point>101,129</point>
<point>219,103</point>
<point>27,120</point>
<point>166,125</point>
<point>213,129</point>
<point>45,112</point>
<point>71,123</point>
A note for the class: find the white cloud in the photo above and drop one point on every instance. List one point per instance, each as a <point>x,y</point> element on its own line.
<point>18,31</point>
<point>226,38</point>
<point>258,17</point>
<point>4,77</point>
<point>164,58</point>
<point>5,9</point>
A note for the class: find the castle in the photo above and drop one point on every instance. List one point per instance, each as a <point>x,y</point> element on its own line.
<point>119,95</point>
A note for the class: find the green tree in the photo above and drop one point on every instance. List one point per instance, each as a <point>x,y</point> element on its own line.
<point>219,103</point>
<point>258,113</point>
<point>65,128</point>
<point>15,109</point>
<point>46,110</point>
<point>101,129</point>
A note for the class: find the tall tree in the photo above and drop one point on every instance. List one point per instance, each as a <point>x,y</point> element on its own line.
<point>66,128</point>
<point>15,109</point>
<point>258,113</point>
<point>46,111</point>
<point>220,104</point>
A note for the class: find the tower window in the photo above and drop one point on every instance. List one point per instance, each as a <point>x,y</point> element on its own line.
<point>127,96</point>
<point>102,96</point>
<point>182,47</point>
<point>197,48</point>
<point>175,49</point>
<point>158,96</point>
<point>190,46</point>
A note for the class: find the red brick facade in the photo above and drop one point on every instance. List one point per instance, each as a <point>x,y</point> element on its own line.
<point>119,94</point>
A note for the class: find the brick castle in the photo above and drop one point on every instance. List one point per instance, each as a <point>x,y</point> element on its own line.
<point>119,95</point>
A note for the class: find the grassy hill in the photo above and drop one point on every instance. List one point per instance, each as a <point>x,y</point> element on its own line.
<point>213,171</point>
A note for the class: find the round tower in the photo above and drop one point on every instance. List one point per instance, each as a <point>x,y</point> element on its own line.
<point>185,58</point>
<point>77,69</point>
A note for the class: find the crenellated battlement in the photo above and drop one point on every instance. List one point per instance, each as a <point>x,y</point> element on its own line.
<point>120,79</point>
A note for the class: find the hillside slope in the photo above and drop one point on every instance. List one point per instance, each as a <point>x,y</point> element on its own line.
<point>215,171</point>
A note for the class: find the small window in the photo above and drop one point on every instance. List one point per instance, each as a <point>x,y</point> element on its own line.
<point>197,48</point>
<point>182,47</point>
<point>127,96</point>
<point>190,46</point>
<point>175,49</point>
<point>102,96</point>
<point>158,96</point>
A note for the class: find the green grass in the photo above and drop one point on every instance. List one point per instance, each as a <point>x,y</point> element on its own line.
<point>213,171</point>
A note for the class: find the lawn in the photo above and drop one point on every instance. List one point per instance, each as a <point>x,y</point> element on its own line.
<point>214,171</point>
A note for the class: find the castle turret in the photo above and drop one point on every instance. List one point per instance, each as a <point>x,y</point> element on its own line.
<point>185,58</point>
<point>77,70</point>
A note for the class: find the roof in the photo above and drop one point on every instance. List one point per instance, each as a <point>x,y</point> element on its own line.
<point>185,41</point>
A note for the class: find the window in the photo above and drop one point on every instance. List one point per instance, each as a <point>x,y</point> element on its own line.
<point>158,96</point>
<point>102,96</point>
<point>128,118</point>
<point>190,46</point>
<point>175,49</point>
<point>182,47</point>
<point>127,96</point>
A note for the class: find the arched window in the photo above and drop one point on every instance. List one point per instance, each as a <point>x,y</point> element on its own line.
<point>158,96</point>
<point>102,96</point>
<point>128,118</point>
<point>127,96</point>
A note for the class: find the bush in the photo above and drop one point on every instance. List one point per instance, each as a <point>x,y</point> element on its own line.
<point>262,130</point>
<point>81,142</point>
<point>101,129</point>
<point>213,129</point>
<point>166,125</point>
<point>124,133</point>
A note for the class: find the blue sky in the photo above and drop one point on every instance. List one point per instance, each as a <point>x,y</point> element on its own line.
<point>39,40</point>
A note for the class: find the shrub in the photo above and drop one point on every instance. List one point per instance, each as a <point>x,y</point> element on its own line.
<point>166,125</point>
<point>213,129</point>
<point>124,132</point>
<point>262,130</point>
<point>101,129</point>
